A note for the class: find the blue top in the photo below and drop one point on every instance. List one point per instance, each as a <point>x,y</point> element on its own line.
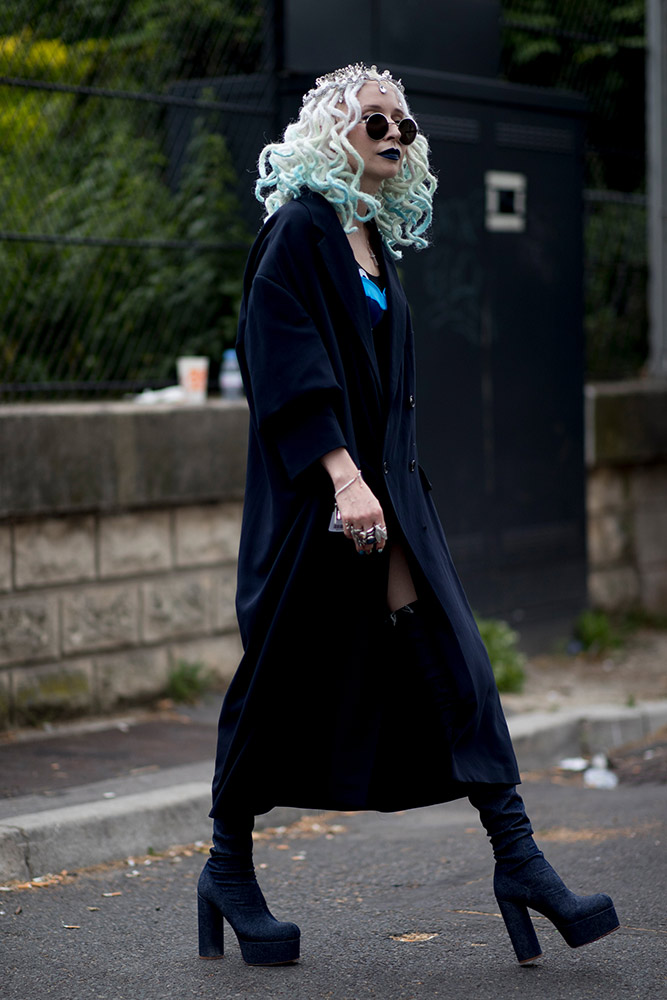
<point>376,298</point>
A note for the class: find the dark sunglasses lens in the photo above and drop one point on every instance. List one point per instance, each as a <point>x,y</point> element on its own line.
<point>408,129</point>
<point>377,126</point>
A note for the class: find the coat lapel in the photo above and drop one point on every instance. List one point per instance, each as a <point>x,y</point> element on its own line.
<point>397,307</point>
<point>344,271</point>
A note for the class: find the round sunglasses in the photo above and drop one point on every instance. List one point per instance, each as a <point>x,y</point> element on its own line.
<point>377,126</point>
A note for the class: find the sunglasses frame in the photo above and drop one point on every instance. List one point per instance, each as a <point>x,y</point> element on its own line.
<point>387,122</point>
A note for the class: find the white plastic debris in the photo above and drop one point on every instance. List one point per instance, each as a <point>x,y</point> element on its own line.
<point>573,764</point>
<point>171,394</point>
<point>600,777</point>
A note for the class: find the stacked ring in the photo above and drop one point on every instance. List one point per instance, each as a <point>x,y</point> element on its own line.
<point>371,536</point>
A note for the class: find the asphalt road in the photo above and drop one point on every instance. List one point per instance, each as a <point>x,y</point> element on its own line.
<point>356,892</point>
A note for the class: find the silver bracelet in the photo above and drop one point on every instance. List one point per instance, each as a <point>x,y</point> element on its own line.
<point>353,480</point>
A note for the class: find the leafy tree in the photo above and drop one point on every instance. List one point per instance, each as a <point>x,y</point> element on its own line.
<point>597,48</point>
<point>79,167</point>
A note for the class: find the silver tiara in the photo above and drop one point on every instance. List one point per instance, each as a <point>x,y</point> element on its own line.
<point>341,78</point>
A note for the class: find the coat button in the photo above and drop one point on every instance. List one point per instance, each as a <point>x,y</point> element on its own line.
<point>413,465</point>
<point>411,402</point>
<point>385,468</point>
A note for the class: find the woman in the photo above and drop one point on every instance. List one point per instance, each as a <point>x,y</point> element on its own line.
<point>364,683</point>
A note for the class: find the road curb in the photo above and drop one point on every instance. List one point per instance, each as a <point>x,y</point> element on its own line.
<point>105,829</point>
<point>541,739</point>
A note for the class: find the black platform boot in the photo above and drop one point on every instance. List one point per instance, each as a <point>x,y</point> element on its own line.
<point>523,878</point>
<point>228,890</point>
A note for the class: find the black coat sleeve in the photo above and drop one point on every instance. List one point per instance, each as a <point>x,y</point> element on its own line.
<point>292,389</point>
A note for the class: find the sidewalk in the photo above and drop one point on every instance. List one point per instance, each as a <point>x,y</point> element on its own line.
<point>92,792</point>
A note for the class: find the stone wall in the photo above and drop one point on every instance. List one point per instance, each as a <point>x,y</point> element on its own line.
<point>119,528</point>
<point>119,531</point>
<point>626,443</point>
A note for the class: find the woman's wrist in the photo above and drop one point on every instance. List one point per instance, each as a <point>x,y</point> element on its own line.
<point>340,467</point>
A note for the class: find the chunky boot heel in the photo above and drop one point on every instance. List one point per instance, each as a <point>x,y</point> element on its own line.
<point>524,878</point>
<point>521,931</point>
<point>211,929</point>
<point>579,919</point>
<point>263,940</point>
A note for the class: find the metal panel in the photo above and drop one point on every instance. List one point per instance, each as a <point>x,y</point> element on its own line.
<point>498,319</point>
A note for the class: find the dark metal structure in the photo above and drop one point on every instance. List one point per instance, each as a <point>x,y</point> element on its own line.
<point>497,308</point>
<point>496,300</point>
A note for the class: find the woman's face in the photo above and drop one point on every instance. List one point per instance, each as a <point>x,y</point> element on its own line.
<point>382,157</point>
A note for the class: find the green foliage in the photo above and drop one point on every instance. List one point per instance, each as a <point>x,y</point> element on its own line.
<point>507,660</point>
<point>187,682</point>
<point>597,633</point>
<point>597,48</point>
<point>82,167</point>
<point>600,633</point>
<point>616,320</point>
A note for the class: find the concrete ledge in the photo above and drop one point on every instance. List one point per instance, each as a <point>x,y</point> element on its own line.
<point>541,739</point>
<point>626,422</point>
<point>92,833</point>
<point>98,830</point>
<point>75,457</point>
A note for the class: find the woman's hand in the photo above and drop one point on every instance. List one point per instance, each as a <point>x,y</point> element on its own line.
<point>359,508</point>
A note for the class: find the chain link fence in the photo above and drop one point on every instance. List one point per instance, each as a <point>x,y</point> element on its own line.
<point>122,241</point>
<point>122,125</point>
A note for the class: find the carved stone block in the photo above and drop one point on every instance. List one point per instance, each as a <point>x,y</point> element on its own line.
<point>5,558</point>
<point>129,677</point>
<point>52,692</point>
<point>207,534</point>
<point>180,605</point>
<point>28,628</point>
<point>5,699</point>
<point>135,543</point>
<point>225,596</point>
<point>100,618</point>
<point>55,550</point>
<point>219,655</point>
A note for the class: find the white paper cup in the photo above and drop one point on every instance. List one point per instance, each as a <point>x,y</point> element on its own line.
<point>193,378</point>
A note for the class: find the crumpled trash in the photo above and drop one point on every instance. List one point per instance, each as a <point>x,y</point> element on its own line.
<point>599,775</point>
<point>573,764</point>
<point>170,394</point>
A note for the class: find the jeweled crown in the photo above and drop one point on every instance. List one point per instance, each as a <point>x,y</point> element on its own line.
<point>339,79</point>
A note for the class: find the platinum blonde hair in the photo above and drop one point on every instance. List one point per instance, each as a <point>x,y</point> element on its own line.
<point>316,153</point>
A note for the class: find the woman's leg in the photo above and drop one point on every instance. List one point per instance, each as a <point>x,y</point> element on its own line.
<point>400,587</point>
<point>228,890</point>
<point>523,878</point>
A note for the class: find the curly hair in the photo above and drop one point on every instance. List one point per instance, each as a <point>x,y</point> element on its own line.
<point>315,153</point>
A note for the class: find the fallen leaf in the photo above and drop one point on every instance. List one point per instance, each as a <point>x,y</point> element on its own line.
<point>412,937</point>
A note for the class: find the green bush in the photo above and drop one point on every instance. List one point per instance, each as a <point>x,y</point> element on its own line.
<point>187,682</point>
<point>507,660</point>
<point>597,633</point>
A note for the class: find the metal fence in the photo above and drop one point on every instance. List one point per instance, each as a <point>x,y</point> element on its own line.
<point>122,240</point>
<point>122,124</point>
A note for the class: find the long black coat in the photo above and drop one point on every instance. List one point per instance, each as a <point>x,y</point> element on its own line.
<point>327,710</point>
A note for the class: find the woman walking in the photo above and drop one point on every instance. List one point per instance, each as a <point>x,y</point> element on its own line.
<point>364,682</point>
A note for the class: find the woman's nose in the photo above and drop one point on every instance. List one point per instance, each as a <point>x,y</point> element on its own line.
<point>393,132</point>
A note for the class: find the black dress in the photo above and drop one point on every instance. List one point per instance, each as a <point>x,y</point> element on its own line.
<point>325,710</point>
